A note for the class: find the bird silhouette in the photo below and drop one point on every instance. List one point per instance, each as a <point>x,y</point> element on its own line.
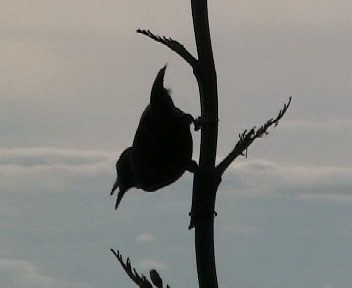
<point>162,147</point>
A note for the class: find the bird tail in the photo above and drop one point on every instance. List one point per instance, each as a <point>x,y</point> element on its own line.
<point>160,98</point>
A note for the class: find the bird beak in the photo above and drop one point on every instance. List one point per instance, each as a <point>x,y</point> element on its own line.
<point>119,195</point>
<point>116,185</point>
<point>119,198</point>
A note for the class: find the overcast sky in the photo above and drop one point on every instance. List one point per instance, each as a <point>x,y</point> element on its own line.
<point>74,80</point>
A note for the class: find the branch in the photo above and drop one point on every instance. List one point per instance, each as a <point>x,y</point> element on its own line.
<point>140,281</point>
<point>174,46</point>
<point>204,187</point>
<point>247,138</point>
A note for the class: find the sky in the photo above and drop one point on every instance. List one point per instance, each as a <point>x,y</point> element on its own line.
<point>74,80</point>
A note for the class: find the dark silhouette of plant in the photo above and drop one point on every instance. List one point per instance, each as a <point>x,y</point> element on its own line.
<point>207,176</point>
<point>140,280</point>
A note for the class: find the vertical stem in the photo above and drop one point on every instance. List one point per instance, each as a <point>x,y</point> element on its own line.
<point>204,186</point>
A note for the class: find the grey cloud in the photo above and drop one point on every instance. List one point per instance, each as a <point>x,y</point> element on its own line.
<point>333,124</point>
<point>77,229</point>
<point>147,263</point>
<point>54,167</point>
<point>112,15</point>
<point>49,156</point>
<point>261,177</point>
<point>146,237</point>
<point>22,273</point>
<point>54,170</point>
<point>26,274</point>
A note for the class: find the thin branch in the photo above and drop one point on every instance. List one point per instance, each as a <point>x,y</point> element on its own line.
<point>247,138</point>
<point>140,281</point>
<point>174,46</point>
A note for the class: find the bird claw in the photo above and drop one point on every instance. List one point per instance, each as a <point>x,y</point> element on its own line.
<point>200,122</point>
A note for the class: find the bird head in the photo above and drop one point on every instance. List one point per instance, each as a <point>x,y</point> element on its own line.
<point>125,178</point>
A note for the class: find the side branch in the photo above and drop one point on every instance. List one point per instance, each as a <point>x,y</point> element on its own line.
<point>174,46</point>
<point>140,281</point>
<point>247,138</point>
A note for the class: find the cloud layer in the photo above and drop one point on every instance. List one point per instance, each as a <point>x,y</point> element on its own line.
<point>262,177</point>
<point>24,273</point>
<point>255,177</point>
<point>59,199</point>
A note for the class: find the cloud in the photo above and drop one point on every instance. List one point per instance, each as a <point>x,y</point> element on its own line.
<point>273,16</point>
<point>333,124</point>
<point>53,169</point>
<point>112,15</point>
<point>109,16</point>
<point>147,263</point>
<point>54,157</point>
<point>26,64</point>
<point>23,273</point>
<point>145,237</point>
<point>57,169</point>
<point>262,177</point>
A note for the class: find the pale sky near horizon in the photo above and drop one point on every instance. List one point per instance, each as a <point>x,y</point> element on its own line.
<point>74,80</point>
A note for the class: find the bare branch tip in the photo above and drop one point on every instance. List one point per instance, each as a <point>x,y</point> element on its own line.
<point>172,44</point>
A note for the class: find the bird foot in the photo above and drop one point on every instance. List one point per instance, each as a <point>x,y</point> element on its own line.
<point>200,122</point>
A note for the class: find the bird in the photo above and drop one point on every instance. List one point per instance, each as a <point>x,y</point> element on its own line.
<point>162,146</point>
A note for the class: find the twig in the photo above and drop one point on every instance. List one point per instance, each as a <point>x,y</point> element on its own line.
<point>247,138</point>
<point>140,281</point>
<point>174,46</point>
